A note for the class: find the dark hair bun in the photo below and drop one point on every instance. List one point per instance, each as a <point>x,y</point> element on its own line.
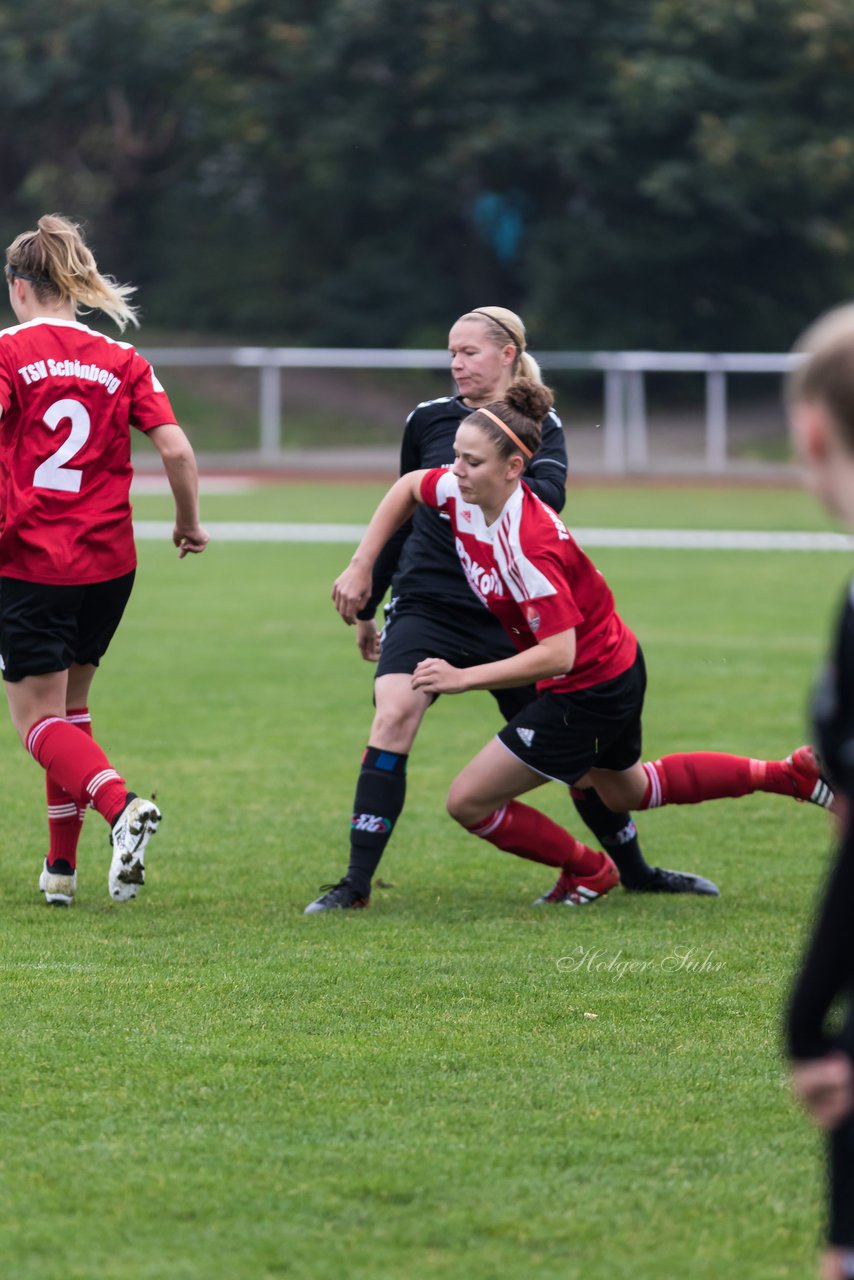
<point>532,399</point>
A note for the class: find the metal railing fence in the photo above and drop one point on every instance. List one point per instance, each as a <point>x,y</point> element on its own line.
<point>625,428</point>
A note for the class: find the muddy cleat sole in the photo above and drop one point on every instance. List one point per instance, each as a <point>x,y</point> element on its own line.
<point>58,887</point>
<point>808,783</point>
<point>132,830</point>
<point>338,897</point>
<point>664,881</point>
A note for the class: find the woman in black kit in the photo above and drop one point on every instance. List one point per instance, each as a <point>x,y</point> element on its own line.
<point>433,613</point>
<point>821,405</point>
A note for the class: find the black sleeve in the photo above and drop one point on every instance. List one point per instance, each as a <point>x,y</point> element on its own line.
<point>545,474</point>
<point>828,968</point>
<point>387,560</point>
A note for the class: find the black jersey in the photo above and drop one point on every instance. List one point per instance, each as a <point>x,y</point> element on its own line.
<point>420,561</point>
<point>828,969</point>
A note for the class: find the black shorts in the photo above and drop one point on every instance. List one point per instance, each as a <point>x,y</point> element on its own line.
<point>44,628</point>
<point>841,1173</point>
<point>562,735</point>
<point>463,638</point>
<point>840,1151</point>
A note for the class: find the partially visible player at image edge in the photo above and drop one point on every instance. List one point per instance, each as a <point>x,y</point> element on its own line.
<point>68,399</point>
<point>820,393</point>
<point>584,727</point>
<point>433,613</point>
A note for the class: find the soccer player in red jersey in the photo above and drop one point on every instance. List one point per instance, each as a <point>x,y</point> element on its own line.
<point>584,727</point>
<point>68,398</point>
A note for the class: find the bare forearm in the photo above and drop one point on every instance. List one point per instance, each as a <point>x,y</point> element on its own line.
<point>554,656</point>
<point>179,463</point>
<point>512,673</point>
<point>352,588</point>
<point>183,476</point>
<point>394,510</point>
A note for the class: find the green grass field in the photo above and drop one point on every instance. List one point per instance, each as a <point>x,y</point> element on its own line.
<point>204,1083</point>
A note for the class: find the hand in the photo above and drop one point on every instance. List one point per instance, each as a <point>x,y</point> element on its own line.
<point>368,639</point>
<point>833,1264</point>
<point>826,1087</point>
<point>190,541</point>
<point>350,592</point>
<point>434,675</point>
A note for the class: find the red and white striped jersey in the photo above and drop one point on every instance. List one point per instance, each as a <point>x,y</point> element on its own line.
<point>69,397</point>
<point>530,572</point>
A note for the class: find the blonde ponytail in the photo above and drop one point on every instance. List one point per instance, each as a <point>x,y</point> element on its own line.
<point>60,266</point>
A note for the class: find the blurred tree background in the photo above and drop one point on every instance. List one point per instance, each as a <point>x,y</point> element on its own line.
<point>656,173</point>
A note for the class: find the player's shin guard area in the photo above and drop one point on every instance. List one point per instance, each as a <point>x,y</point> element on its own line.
<point>377,805</point>
<point>517,828</point>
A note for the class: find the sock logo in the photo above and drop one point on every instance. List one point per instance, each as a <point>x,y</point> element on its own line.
<point>370,822</point>
<point>628,833</point>
<point>527,736</point>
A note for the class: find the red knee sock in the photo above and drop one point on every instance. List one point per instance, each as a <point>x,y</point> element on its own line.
<point>517,828</point>
<point>693,776</point>
<point>64,815</point>
<point>77,765</point>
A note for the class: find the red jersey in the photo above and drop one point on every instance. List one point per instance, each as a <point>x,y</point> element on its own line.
<point>530,572</point>
<point>69,397</point>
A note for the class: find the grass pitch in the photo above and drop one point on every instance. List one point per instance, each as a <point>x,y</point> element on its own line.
<point>206,1083</point>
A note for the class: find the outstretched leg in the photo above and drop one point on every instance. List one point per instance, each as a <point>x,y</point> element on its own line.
<point>695,776</point>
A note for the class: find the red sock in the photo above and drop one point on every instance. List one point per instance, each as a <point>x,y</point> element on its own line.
<point>690,777</point>
<point>64,815</point>
<point>78,765</point>
<point>517,828</point>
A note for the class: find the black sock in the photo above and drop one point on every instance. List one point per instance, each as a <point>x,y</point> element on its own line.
<point>617,834</point>
<point>380,793</point>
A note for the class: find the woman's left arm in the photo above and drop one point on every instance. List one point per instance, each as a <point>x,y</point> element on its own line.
<point>551,656</point>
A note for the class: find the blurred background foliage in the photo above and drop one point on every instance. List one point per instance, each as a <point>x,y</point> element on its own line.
<point>653,173</point>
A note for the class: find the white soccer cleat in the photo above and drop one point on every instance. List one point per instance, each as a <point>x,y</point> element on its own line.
<point>58,889</point>
<point>131,831</point>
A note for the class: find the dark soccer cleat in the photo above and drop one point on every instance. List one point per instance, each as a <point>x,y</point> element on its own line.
<point>808,782</point>
<point>664,881</point>
<point>579,891</point>
<point>338,897</point>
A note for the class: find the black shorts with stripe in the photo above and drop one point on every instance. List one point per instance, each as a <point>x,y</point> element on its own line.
<point>44,628</point>
<point>563,735</point>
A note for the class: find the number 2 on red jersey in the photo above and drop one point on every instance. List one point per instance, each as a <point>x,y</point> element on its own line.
<point>53,473</point>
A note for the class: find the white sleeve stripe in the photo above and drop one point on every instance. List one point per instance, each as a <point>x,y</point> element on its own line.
<point>514,578</point>
<point>525,580</point>
<point>538,462</point>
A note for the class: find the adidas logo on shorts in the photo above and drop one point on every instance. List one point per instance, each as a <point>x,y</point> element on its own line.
<point>527,736</point>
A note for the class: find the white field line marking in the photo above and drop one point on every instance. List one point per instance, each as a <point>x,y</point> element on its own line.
<point>143,483</point>
<point>665,539</point>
